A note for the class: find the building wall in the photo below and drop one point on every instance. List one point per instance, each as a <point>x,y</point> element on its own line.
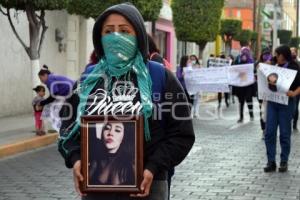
<point>289,18</point>
<point>242,10</point>
<point>15,76</point>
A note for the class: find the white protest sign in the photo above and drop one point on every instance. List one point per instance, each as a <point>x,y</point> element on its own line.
<point>206,80</point>
<point>51,113</point>
<point>241,75</point>
<point>218,62</point>
<point>274,82</point>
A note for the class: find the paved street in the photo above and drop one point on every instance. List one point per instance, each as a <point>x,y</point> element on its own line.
<point>225,163</point>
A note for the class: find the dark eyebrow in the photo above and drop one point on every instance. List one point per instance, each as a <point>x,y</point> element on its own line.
<point>124,25</point>
<point>110,25</point>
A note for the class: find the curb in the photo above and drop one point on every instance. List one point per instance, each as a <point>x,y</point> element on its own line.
<point>28,144</point>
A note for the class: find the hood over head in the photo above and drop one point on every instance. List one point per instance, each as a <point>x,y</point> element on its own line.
<point>131,13</point>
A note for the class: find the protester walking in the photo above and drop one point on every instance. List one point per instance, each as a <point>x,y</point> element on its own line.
<point>294,52</point>
<point>231,60</point>
<point>245,93</point>
<point>281,115</point>
<point>196,97</point>
<point>154,54</point>
<point>39,127</point>
<point>184,62</point>
<point>226,94</point>
<point>266,57</point>
<point>120,40</point>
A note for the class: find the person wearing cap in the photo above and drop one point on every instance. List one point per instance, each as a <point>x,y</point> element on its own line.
<point>121,44</point>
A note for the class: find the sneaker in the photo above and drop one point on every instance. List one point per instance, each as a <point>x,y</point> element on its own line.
<point>271,167</point>
<point>283,167</point>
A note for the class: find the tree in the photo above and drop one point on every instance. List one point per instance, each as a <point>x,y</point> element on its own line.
<point>35,12</point>
<point>244,37</point>
<point>197,20</point>
<point>150,9</point>
<point>295,42</point>
<point>284,36</point>
<point>229,29</point>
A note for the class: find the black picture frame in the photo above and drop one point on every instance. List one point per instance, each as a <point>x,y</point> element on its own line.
<point>112,162</point>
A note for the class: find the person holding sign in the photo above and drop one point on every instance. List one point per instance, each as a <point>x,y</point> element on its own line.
<point>197,98</point>
<point>246,93</point>
<point>184,63</point>
<point>294,51</point>
<point>226,94</point>
<point>123,83</point>
<point>281,115</point>
<point>265,57</point>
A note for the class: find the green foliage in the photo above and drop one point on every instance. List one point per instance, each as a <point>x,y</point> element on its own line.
<point>244,37</point>
<point>150,9</point>
<point>284,36</point>
<point>254,36</point>
<point>295,42</point>
<point>197,20</point>
<point>230,28</point>
<point>37,4</point>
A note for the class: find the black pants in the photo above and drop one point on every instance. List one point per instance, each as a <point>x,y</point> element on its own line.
<point>226,95</point>
<point>242,100</point>
<point>262,122</point>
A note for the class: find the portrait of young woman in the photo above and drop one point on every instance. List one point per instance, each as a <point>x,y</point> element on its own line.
<point>111,154</point>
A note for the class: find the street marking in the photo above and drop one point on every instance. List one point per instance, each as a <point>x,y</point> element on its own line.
<point>194,150</point>
<point>238,125</point>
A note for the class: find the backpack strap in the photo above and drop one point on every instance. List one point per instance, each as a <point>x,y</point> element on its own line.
<point>158,77</point>
<point>153,54</point>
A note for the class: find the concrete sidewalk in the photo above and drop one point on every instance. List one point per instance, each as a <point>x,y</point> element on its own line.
<point>16,128</point>
<point>17,134</point>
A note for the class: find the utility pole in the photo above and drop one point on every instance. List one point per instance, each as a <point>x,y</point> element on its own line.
<point>258,28</point>
<point>297,20</point>
<point>275,26</point>
<point>255,15</point>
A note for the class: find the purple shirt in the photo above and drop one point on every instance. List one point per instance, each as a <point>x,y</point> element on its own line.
<point>59,85</point>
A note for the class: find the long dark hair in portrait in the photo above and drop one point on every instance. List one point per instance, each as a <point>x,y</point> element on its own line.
<point>121,163</point>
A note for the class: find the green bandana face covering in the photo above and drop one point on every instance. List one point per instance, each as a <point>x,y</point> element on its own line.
<point>119,49</point>
<point>121,57</point>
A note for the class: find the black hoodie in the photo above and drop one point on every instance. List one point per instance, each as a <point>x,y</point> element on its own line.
<point>171,138</point>
<point>133,16</point>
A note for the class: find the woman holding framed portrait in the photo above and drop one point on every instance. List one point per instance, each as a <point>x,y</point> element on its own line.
<point>125,82</point>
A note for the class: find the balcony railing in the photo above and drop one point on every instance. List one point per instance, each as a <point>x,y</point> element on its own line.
<point>239,4</point>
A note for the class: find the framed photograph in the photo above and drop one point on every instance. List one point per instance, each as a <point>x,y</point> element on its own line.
<point>112,153</point>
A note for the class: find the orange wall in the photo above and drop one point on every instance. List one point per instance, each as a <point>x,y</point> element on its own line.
<point>243,14</point>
